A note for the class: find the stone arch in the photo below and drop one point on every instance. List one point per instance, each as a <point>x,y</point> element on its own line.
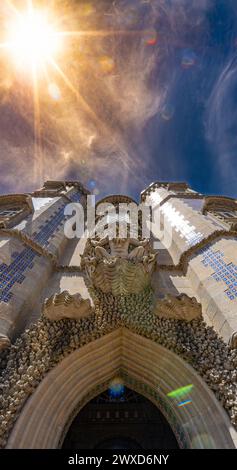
<point>147,367</point>
<point>116,199</point>
<point>213,203</point>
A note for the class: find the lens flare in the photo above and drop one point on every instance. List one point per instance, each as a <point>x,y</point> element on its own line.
<point>203,441</point>
<point>167,112</point>
<point>87,9</point>
<point>184,403</point>
<point>189,59</point>
<point>151,37</point>
<point>116,388</point>
<point>54,91</point>
<point>92,184</point>
<point>96,192</point>
<point>179,392</point>
<point>106,64</point>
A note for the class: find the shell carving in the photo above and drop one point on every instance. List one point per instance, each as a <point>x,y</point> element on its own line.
<point>65,305</point>
<point>181,307</point>
<point>119,266</point>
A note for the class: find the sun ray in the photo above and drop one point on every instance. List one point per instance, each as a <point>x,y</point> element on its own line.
<point>5,45</point>
<point>102,33</point>
<point>100,125</point>
<point>12,7</point>
<point>81,100</point>
<point>30,42</point>
<point>38,163</point>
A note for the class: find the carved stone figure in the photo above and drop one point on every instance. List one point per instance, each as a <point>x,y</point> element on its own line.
<point>118,265</point>
<point>65,305</point>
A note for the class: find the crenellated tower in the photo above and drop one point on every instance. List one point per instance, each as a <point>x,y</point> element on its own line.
<point>153,313</point>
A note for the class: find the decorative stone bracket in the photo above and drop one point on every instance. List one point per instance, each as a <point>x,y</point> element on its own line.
<point>65,305</point>
<point>181,307</point>
<point>119,266</point>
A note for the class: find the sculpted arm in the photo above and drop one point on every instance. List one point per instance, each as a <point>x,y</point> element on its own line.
<point>101,242</point>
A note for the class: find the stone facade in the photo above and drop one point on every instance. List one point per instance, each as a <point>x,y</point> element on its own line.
<point>60,295</point>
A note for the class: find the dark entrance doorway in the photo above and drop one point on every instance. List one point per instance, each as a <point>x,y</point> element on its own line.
<point>128,421</point>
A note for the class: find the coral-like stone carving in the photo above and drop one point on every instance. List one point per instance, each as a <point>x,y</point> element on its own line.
<point>46,343</point>
<point>65,305</point>
<point>119,266</point>
<point>181,307</point>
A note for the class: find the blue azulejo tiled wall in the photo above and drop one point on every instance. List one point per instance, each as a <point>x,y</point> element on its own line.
<point>48,229</point>
<point>15,272</point>
<point>75,197</point>
<point>222,271</point>
<point>53,224</point>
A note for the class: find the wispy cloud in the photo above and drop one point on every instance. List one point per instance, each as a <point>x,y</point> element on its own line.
<point>128,79</point>
<point>221,123</point>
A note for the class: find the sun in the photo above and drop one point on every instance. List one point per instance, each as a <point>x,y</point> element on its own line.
<point>32,40</point>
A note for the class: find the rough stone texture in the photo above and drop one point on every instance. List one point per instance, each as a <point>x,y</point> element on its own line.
<point>216,306</point>
<point>145,367</point>
<point>180,307</point>
<point>44,345</point>
<point>191,230</point>
<point>113,274</point>
<point>15,314</point>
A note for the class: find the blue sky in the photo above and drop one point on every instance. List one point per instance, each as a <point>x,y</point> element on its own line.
<point>160,93</point>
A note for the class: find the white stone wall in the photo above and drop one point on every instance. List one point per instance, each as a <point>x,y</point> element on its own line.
<point>23,279</point>
<point>214,279</point>
<point>211,276</point>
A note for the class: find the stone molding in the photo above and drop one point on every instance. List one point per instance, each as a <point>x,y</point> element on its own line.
<point>24,201</point>
<point>116,199</point>
<point>212,203</point>
<point>21,199</point>
<point>185,257</point>
<point>79,186</point>
<point>67,269</point>
<point>30,243</point>
<point>176,196</point>
<point>140,387</point>
<point>169,186</point>
<point>55,188</point>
